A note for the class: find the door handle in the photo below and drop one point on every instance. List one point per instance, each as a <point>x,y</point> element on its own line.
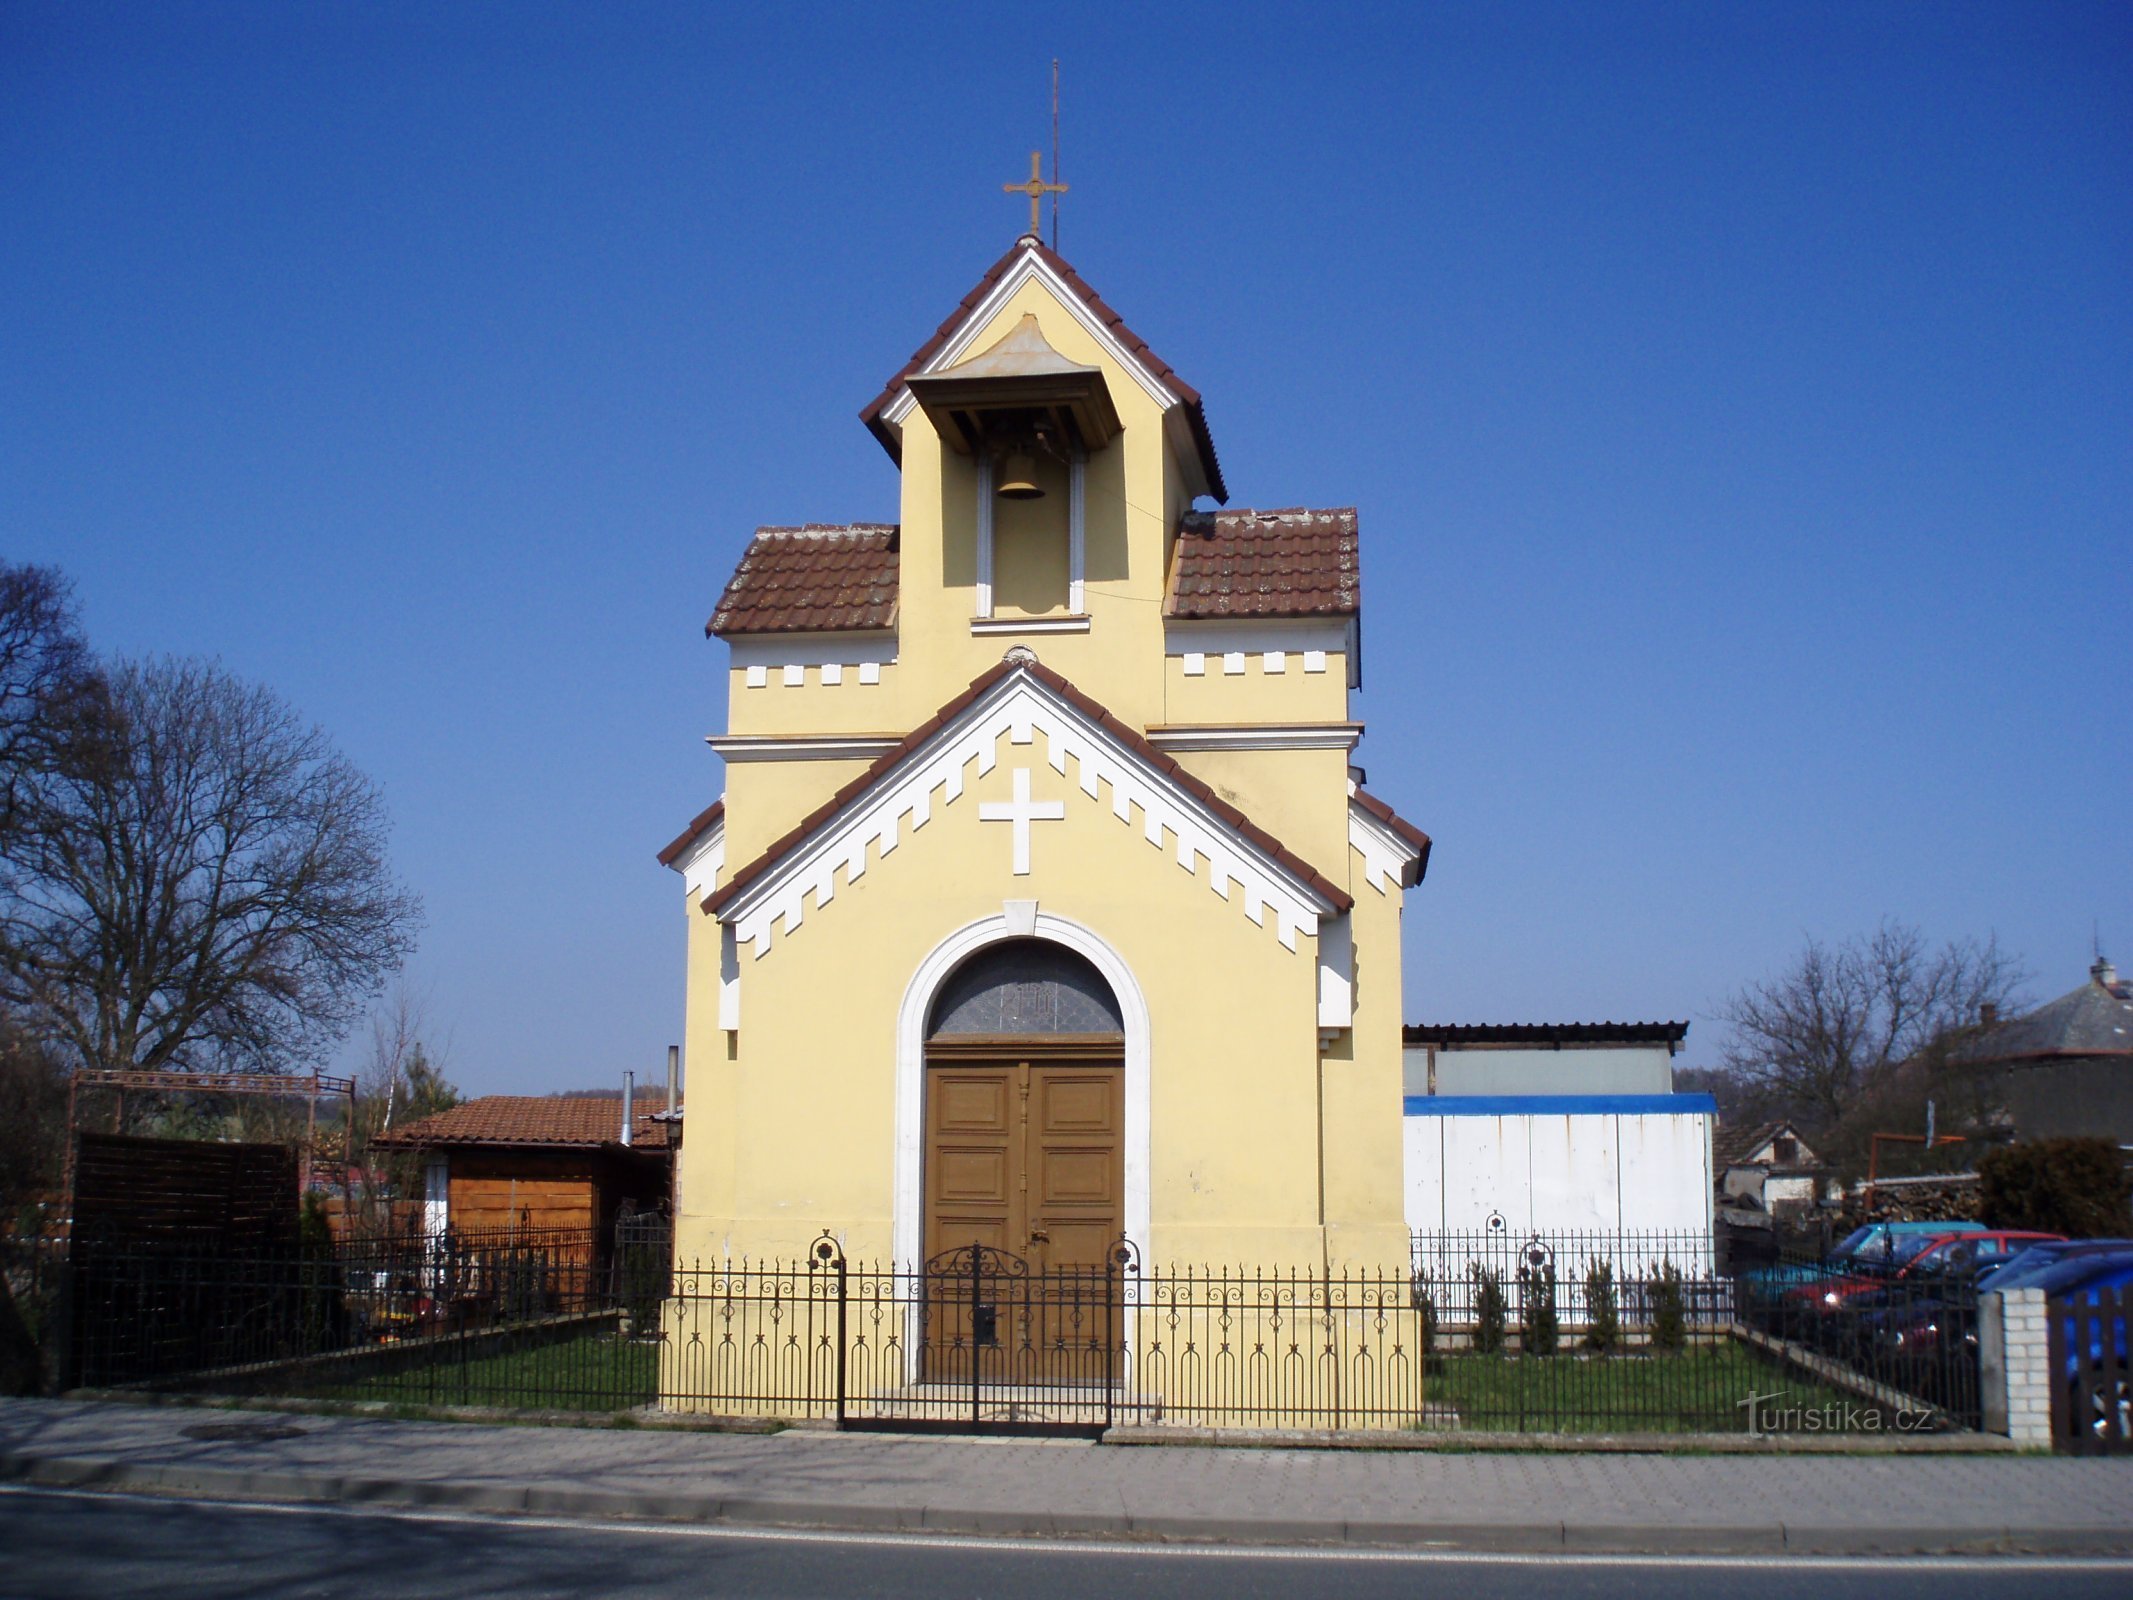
<point>1039,1236</point>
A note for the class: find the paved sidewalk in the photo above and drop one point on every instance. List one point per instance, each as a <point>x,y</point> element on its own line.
<point>1520,1502</point>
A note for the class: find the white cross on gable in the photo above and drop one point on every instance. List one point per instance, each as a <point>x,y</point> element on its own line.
<point>1022,811</point>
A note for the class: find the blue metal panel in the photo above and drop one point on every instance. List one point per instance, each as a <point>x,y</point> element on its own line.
<point>1558,1105</point>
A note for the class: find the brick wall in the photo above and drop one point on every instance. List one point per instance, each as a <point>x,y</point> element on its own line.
<point>2015,1367</point>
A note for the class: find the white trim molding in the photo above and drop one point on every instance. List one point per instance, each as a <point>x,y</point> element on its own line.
<point>802,746</point>
<point>983,477</point>
<point>907,1223</point>
<point>1018,708</point>
<point>812,649</point>
<point>1066,624</point>
<point>1387,858</point>
<point>1177,738</point>
<point>1077,528</point>
<point>704,861</point>
<point>1272,644</point>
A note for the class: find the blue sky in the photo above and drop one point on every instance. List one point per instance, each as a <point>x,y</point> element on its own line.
<point>1739,402</point>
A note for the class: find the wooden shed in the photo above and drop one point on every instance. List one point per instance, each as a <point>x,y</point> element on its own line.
<point>538,1162</point>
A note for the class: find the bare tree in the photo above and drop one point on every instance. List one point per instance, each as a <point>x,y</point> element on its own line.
<point>1837,1023</point>
<point>49,686</point>
<point>204,886</point>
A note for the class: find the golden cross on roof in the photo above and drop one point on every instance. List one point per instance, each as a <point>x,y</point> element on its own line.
<point>1036,189</point>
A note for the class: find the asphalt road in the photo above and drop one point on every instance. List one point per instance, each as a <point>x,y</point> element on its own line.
<point>64,1545</point>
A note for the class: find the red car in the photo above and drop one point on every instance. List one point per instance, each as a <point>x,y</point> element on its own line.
<point>1923,1256</point>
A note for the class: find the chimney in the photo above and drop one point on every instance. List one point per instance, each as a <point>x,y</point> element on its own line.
<point>629,1089</point>
<point>1988,1012</point>
<point>2103,972</point>
<point>673,1076</point>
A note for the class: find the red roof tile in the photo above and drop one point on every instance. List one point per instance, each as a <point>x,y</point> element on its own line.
<point>1399,825</point>
<point>815,579</point>
<point>523,1119</point>
<point>703,819</point>
<point>1095,712</point>
<point>1136,346</point>
<point>1290,563</point>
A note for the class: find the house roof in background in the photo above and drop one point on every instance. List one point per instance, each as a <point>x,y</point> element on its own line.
<point>1292,562</point>
<point>552,1121</point>
<point>1735,1144</point>
<point>1545,1033</point>
<point>818,578</point>
<point>2093,1020</point>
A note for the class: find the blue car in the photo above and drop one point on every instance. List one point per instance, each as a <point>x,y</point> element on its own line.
<point>2038,1259</point>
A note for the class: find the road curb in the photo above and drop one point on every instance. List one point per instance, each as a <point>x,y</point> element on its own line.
<point>1624,1538</point>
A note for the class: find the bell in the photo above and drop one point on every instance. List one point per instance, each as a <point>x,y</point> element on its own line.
<point>1018,477</point>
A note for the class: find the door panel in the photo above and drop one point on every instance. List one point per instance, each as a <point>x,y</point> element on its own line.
<point>1024,1156</point>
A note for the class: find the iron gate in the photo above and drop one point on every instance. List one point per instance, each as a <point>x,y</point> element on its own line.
<point>977,1340</point>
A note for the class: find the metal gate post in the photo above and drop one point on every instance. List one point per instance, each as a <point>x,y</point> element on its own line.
<point>977,1259</point>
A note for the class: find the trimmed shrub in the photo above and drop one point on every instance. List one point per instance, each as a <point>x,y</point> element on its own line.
<point>1670,1317</point>
<point>1541,1328</point>
<point>1603,1311</point>
<point>2078,1187</point>
<point>1425,1314</point>
<point>1491,1310</point>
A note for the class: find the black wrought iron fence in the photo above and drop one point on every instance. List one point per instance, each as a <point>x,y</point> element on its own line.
<point>975,1340</point>
<point>1908,1341</point>
<point>1626,1275</point>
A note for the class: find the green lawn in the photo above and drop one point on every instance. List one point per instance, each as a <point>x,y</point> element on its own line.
<point>1699,1390</point>
<point>591,1372</point>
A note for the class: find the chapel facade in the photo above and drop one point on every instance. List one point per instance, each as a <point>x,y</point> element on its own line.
<point>1044,905</point>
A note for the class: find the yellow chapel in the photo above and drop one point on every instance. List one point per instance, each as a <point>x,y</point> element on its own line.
<point>1043,907</point>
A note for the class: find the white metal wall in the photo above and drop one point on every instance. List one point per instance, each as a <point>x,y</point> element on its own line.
<point>1559,1170</point>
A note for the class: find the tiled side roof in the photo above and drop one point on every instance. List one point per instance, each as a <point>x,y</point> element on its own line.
<point>1188,396</point>
<point>1545,1032</point>
<point>525,1119</point>
<point>1399,825</point>
<point>703,819</point>
<point>1324,887</point>
<point>1290,563</point>
<point>816,579</point>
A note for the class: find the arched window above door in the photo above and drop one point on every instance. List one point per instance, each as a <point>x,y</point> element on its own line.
<point>1024,986</point>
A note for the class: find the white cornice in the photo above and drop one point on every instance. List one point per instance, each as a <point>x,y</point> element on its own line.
<point>813,649</point>
<point>1068,624</point>
<point>1177,738</point>
<point>1387,858</point>
<point>1031,265</point>
<point>802,746</point>
<point>703,861</point>
<point>1020,708</point>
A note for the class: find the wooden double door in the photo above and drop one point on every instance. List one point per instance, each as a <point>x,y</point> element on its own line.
<point>1024,1156</point>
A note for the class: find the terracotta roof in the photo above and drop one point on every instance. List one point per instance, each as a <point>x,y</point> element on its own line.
<point>1288,563</point>
<point>1734,1145</point>
<point>1188,396</point>
<point>703,819</point>
<point>530,1119</point>
<point>1324,887</point>
<point>1399,825</point>
<point>816,579</point>
<point>1550,1033</point>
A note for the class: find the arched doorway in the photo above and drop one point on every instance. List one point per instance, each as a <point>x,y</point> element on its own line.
<point>1025,1108</point>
